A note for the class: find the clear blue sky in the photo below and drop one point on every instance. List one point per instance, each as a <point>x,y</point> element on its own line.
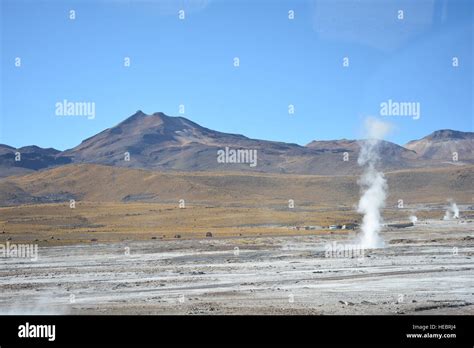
<point>190,62</point>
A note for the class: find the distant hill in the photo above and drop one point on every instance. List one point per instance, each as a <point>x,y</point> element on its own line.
<point>91,182</point>
<point>32,158</point>
<point>161,142</point>
<point>441,145</point>
<point>392,156</point>
<point>166,143</point>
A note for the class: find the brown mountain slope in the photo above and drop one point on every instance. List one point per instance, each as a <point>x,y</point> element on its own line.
<point>441,145</point>
<point>162,142</point>
<point>159,141</point>
<point>105,183</point>
<point>31,158</point>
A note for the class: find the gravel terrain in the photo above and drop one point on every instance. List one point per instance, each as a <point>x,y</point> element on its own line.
<point>425,269</point>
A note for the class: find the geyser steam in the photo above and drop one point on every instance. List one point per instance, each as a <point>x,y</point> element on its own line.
<point>372,183</point>
<point>452,212</point>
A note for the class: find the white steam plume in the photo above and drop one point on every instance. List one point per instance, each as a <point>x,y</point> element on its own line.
<point>372,183</point>
<point>413,219</point>
<point>452,212</point>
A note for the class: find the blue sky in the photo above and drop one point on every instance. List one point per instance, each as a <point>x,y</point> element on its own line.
<point>190,62</point>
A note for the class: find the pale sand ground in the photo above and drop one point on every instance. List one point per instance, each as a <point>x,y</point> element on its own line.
<point>419,272</point>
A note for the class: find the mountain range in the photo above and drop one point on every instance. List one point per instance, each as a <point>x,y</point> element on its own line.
<point>161,142</point>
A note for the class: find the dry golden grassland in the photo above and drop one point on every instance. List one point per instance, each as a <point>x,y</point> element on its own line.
<point>58,224</point>
<point>114,204</point>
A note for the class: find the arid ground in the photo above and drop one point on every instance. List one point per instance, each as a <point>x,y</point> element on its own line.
<point>236,246</point>
<point>249,269</point>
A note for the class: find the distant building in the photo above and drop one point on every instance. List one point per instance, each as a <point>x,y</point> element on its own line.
<point>401,225</point>
<point>349,226</point>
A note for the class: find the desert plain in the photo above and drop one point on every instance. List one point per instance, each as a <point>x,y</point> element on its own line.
<point>243,250</point>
